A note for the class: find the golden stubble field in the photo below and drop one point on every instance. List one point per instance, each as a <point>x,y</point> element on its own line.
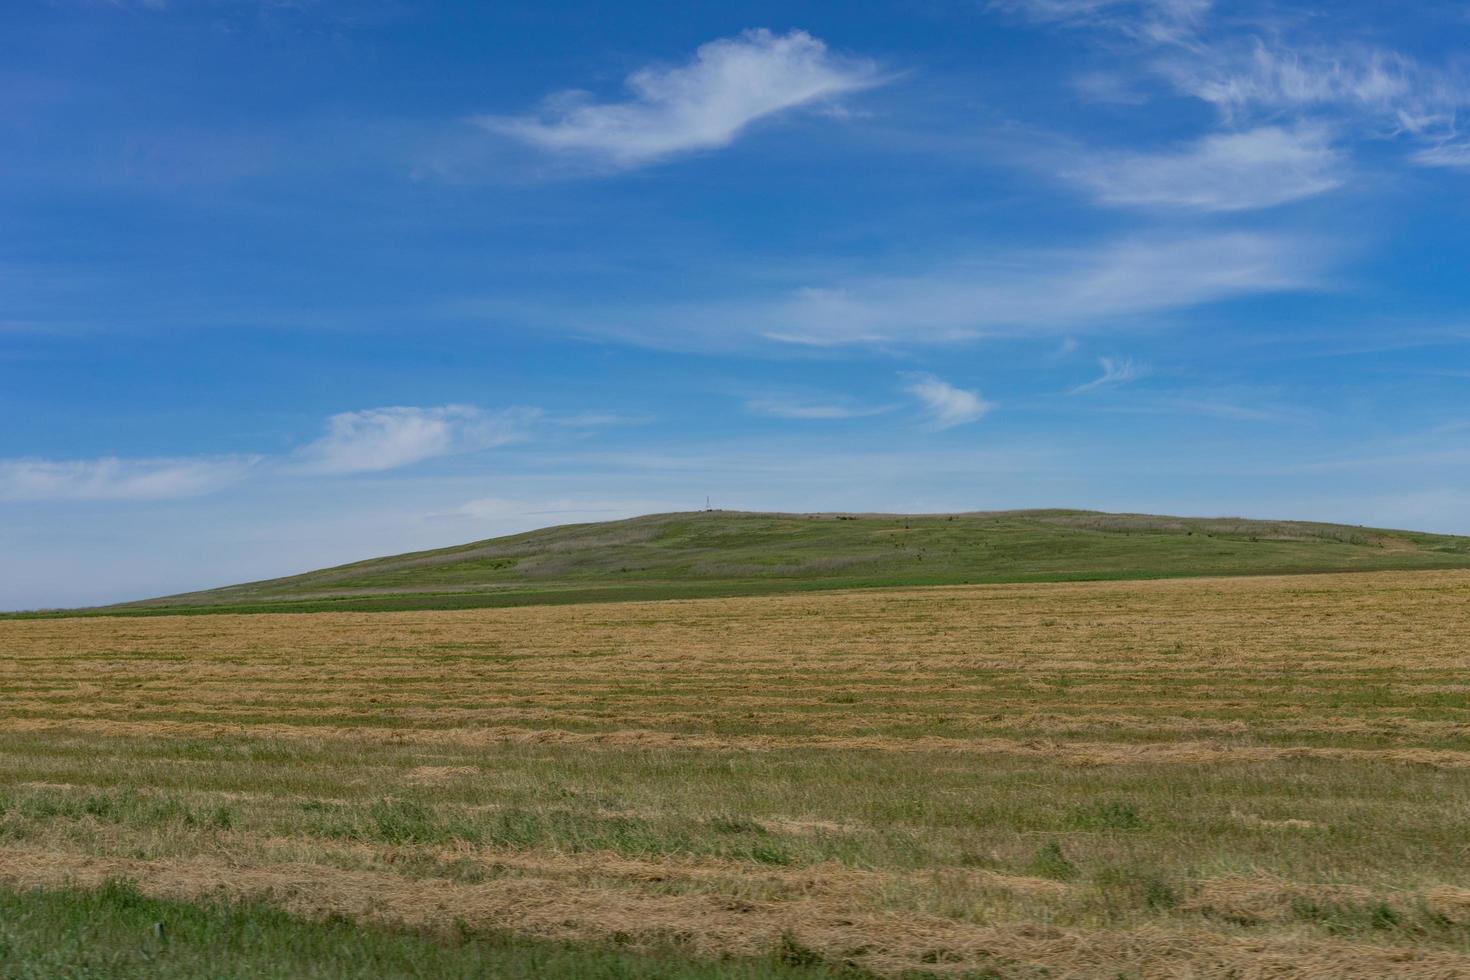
<point>1252,777</point>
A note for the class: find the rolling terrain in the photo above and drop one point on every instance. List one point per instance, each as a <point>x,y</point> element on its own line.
<point>1245,777</point>
<point>1018,745</point>
<point>723,553</point>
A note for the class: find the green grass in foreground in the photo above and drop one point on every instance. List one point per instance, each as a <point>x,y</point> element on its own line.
<point>724,553</point>
<point>116,932</point>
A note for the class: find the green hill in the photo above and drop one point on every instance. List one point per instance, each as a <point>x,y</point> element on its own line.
<point>730,553</point>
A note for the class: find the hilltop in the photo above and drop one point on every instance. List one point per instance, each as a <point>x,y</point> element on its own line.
<point>710,553</point>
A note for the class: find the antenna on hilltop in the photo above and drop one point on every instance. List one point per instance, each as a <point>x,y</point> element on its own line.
<point>706,503</point>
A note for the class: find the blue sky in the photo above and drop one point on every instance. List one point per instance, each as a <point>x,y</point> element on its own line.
<point>285,284</point>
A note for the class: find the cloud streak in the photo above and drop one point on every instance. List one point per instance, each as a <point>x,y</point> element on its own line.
<point>1259,75</point>
<point>1454,154</point>
<point>946,405</point>
<point>1115,372</point>
<point>703,104</point>
<point>1033,293</point>
<point>1157,21</point>
<point>387,438</point>
<point>1384,94</point>
<point>1253,71</point>
<point>796,408</point>
<point>368,441</point>
<point>111,478</point>
<point>1258,168</point>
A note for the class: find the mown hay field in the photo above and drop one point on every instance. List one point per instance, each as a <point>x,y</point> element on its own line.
<point>1246,777</point>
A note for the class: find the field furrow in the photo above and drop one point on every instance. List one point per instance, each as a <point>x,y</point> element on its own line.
<point>1238,777</point>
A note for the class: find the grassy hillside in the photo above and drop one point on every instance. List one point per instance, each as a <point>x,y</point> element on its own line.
<point>731,553</point>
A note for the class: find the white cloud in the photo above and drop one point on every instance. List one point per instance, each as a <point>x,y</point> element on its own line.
<point>1159,21</point>
<point>376,439</point>
<point>110,478</point>
<point>1115,371</point>
<point>1259,168</point>
<point>1253,70</point>
<point>796,408</point>
<point>947,405</point>
<point>1258,75</point>
<point>1035,293</point>
<point>1386,92</point>
<point>1258,69</point>
<point>387,438</point>
<point>703,104</point>
<point>1451,154</point>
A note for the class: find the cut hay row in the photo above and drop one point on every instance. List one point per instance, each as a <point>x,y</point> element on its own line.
<point>716,927</point>
<point>1069,753</point>
<point>1243,777</point>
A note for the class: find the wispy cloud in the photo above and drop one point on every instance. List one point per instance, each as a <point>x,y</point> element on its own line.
<point>1256,70</point>
<point>1383,93</point>
<point>703,104</point>
<point>1258,168</point>
<point>110,478</point>
<point>1453,153</point>
<point>1245,66</point>
<point>1150,20</point>
<point>1230,403</point>
<point>1115,372</point>
<point>387,438</point>
<point>1239,78</point>
<point>946,405</point>
<point>355,442</point>
<point>797,408</point>
<point>597,420</point>
<point>1222,409</point>
<point>1033,293</point>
